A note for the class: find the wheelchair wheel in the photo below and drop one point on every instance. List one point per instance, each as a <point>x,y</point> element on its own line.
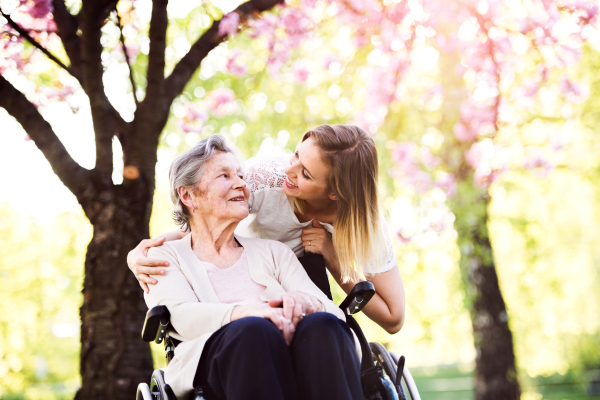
<point>143,392</point>
<point>157,384</point>
<point>408,380</point>
<point>382,357</point>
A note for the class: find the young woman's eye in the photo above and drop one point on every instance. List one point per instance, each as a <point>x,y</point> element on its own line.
<point>304,174</point>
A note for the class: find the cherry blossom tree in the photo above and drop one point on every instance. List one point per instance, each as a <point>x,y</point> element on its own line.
<point>495,58</point>
<point>81,39</point>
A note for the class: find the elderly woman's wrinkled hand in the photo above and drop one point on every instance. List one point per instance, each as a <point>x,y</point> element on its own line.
<point>142,266</point>
<point>297,305</point>
<point>275,315</point>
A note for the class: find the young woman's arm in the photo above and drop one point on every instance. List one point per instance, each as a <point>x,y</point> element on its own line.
<point>142,266</point>
<point>386,308</point>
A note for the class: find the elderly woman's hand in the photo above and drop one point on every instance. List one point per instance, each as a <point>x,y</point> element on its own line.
<point>142,266</point>
<point>296,305</point>
<point>265,311</point>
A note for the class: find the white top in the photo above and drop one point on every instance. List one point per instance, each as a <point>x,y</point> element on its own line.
<point>234,284</point>
<point>272,217</point>
<point>197,311</point>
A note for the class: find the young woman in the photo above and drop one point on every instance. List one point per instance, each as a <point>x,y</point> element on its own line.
<point>330,184</point>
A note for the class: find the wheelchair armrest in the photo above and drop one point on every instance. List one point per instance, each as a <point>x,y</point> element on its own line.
<point>156,324</point>
<point>358,297</point>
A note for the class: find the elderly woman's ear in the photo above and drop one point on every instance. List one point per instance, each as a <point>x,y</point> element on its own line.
<point>185,194</point>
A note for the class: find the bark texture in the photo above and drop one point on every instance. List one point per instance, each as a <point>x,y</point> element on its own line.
<point>114,359</point>
<point>495,367</point>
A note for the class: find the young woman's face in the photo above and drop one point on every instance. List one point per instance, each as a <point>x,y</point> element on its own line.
<point>307,174</point>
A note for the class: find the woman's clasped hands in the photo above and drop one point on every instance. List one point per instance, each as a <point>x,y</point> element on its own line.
<point>285,312</point>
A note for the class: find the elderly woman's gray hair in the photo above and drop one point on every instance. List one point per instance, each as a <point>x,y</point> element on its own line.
<point>187,170</point>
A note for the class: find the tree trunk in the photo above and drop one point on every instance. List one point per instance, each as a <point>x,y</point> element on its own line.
<point>495,371</point>
<point>114,359</point>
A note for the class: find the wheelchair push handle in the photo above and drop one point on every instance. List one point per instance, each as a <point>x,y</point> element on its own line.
<point>358,298</point>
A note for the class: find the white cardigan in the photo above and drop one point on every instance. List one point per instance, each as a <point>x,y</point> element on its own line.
<point>196,311</point>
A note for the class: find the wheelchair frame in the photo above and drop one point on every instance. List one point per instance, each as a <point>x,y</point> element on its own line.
<point>384,375</point>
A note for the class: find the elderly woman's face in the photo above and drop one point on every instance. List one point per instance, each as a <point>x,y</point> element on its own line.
<point>222,191</point>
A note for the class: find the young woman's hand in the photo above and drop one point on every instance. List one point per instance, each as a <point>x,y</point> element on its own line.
<point>275,315</point>
<point>296,305</point>
<point>142,266</point>
<point>316,239</point>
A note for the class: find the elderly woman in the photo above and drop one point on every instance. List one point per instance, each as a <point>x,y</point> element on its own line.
<point>251,322</point>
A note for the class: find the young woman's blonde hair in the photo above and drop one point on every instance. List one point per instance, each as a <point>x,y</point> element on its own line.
<point>351,156</point>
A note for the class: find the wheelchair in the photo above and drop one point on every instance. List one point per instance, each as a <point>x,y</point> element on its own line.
<point>384,375</point>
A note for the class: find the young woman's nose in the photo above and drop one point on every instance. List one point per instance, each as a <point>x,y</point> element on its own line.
<point>290,169</point>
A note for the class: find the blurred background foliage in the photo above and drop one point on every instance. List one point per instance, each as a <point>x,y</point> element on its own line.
<point>543,227</point>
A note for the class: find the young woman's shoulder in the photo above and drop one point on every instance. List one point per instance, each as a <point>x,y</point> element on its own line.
<point>266,172</point>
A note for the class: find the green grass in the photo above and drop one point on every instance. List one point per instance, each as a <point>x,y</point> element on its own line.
<point>456,383</point>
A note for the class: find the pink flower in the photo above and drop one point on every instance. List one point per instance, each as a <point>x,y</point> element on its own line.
<point>404,155</point>
<point>428,159</point>
<point>447,183</point>
<point>40,8</point>
<point>463,133</point>
<point>218,101</point>
<point>233,67</point>
<point>573,91</point>
<point>229,24</point>
<point>537,162</point>
<point>301,74</point>
<point>403,239</point>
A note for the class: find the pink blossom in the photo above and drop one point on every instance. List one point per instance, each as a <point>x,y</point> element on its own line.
<point>463,133</point>
<point>488,160</point>
<point>573,91</point>
<point>447,183</point>
<point>330,58</point>
<point>537,162</point>
<point>403,239</point>
<point>404,155</point>
<point>419,180</point>
<point>218,99</point>
<point>428,159</point>
<point>39,8</point>
<point>301,74</point>
<point>229,24</point>
<point>436,90</point>
<point>233,66</point>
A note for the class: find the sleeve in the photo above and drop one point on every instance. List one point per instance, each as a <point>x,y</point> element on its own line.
<point>390,257</point>
<point>262,174</point>
<point>189,317</point>
<point>293,277</point>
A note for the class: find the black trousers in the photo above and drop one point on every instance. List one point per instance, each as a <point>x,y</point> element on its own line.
<point>248,359</point>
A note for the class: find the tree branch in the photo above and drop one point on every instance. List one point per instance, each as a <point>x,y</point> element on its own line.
<point>67,25</point>
<point>156,57</point>
<point>183,71</point>
<point>122,39</point>
<point>23,33</point>
<point>104,116</point>
<point>75,177</point>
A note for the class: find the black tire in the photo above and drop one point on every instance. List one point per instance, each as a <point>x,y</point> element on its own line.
<point>383,358</point>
